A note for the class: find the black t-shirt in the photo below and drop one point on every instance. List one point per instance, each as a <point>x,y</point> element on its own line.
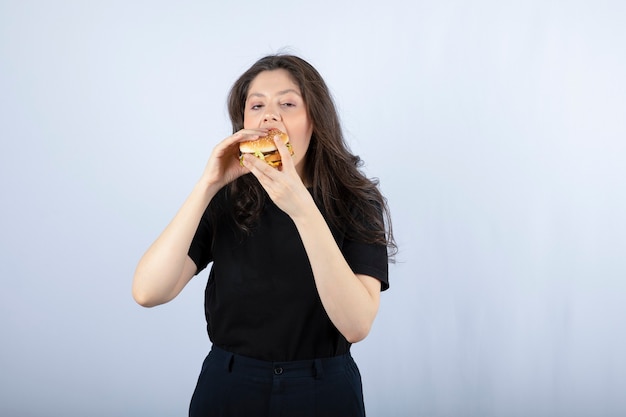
<point>261,300</point>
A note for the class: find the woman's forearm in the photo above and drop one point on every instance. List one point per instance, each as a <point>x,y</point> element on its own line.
<point>164,269</point>
<point>351,301</point>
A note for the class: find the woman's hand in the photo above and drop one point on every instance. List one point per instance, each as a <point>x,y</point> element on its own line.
<point>283,185</point>
<point>223,165</point>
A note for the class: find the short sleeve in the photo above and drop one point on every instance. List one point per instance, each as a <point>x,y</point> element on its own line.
<point>201,248</point>
<point>368,259</point>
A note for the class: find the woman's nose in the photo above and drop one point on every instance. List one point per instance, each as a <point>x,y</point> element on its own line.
<point>271,115</point>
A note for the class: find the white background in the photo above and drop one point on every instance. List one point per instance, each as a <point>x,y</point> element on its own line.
<point>497,130</point>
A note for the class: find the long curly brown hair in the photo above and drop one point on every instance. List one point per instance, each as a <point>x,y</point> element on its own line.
<point>349,200</point>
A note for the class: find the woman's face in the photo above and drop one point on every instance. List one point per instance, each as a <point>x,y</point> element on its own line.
<point>274,101</point>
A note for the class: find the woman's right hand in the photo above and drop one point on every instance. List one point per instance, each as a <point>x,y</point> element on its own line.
<point>223,165</point>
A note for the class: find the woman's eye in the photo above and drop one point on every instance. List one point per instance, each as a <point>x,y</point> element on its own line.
<point>256,106</point>
<point>287,104</point>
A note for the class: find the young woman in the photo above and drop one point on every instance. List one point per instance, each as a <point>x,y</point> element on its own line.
<point>299,255</point>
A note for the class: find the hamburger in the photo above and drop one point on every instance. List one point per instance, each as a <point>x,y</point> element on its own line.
<point>264,148</point>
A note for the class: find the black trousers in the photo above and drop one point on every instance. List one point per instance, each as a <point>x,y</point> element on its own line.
<point>232,385</point>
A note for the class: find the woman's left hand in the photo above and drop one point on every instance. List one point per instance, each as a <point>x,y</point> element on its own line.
<point>283,185</point>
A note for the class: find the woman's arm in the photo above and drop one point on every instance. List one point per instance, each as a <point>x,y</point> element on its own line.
<point>350,300</point>
<point>165,268</point>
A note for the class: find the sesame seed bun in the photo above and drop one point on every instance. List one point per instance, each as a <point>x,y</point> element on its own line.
<point>263,144</point>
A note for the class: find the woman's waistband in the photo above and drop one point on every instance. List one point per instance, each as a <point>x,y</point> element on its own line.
<point>284,369</point>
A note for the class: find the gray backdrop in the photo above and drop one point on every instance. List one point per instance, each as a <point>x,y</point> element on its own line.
<point>497,130</point>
